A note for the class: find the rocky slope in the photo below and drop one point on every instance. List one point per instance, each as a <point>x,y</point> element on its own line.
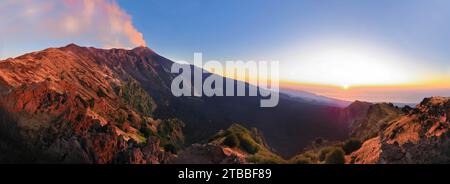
<point>353,113</point>
<point>386,134</point>
<point>420,136</point>
<point>79,105</point>
<point>377,115</point>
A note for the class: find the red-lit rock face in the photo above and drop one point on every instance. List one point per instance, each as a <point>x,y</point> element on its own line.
<point>422,136</point>
<point>75,104</point>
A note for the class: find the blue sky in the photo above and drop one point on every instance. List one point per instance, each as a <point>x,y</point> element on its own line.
<point>263,28</point>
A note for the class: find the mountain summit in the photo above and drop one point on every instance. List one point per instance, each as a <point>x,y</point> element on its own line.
<point>79,104</point>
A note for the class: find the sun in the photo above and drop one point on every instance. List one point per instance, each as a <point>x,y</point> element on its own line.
<point>345,86</point>
<point>346,65</point>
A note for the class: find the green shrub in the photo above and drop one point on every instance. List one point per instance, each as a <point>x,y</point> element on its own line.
<point>248,145</point>
<point>134,95</point>
<point>231,140</point>
<point>101,93</point>
<point>264,159</point>
<point>147,132</point>
<point>170,148</point>
<point>170,131</point>
<point>301,159</point>
<point>323,152</point>
<point>351,145</point>
<point>335,156</point>
<point>121,118</point>
<point>91,102</point>
<point>81,99</point>
<point>79,117</point>
<point>311,155</point>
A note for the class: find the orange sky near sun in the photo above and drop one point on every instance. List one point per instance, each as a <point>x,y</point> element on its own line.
<point>401,93</point>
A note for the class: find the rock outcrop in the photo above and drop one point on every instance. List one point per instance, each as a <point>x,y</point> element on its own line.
<point>421,136</point>
<point>377,115</point>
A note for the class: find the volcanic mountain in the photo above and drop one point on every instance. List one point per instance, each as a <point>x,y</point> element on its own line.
<point>83,104</point>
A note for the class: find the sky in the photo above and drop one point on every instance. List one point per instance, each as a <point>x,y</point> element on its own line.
<point>347,49</point>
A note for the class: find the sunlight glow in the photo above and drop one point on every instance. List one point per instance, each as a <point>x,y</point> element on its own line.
<point>345,65</point>
<point>345,86</point>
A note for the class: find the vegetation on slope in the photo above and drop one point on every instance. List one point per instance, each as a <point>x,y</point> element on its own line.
<point>135,96</point>
<point>324,152</point>
<point>251,143</point>
<point>169,132</point>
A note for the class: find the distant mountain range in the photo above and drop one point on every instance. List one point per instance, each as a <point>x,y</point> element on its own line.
<point>86,105</point>
<point>307,97</point>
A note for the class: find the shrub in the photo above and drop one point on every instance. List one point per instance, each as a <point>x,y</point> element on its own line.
<point>311,155</point>
<point>351,145</point>
<point>81,99</point>
<point>101,93</point>
<point>121,118</point>
<point>264,159</point>
<point>323,153</point>
<point>302,160</point>
<point>147,132</point>
<point>231,140</point>
<point>170,148</point>
<point>335,156</point>
<point>248,145</point>
<point>91,102</point>
<point>79,117</point>
<point>170,131</point>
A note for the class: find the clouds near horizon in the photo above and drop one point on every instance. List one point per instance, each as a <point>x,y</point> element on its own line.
<point>100,23</point>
